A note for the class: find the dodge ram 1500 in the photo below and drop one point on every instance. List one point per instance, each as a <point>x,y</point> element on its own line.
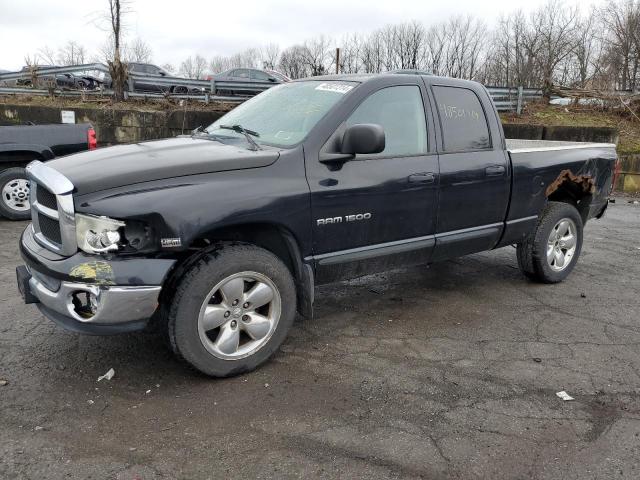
<point>220,237</point>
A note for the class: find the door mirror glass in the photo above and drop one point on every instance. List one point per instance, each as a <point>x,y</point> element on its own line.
<point>363,138</point>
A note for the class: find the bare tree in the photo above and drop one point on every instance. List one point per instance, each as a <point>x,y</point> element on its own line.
<point>269,55</point>
<point>371,53</point>
<point>581,65</point>
<point>293,62</point>
<point>46,55</point>
<point>351,54</point>
<point>318,55</point>
<point>555,26</point>
<point>31,63</point>
<point>514,52</point>
<point>113,49</point>
<point>621,20</point>
<point>194,67</point>
<point>139,51</point>
<point>72,53</point>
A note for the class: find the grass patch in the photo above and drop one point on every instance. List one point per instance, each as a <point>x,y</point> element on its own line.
<point>582,116</point>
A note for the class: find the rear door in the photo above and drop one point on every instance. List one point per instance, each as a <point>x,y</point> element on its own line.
<point>377,211</point>
<point>474,173</point>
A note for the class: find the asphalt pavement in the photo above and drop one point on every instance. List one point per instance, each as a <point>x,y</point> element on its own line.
<point>449,371</point>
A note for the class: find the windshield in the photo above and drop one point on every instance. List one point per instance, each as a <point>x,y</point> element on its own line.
<point>285,114</point>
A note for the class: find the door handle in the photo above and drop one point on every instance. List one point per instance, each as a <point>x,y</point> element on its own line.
<point>427,177</point>
<point>495,170</point>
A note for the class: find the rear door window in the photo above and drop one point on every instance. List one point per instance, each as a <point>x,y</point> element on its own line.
<point>400,112</point>
<point>258,75</point>
<point>463,120</point>
<point>241,73</point>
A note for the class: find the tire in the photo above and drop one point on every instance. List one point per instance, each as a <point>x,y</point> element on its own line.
<point>14,194</point>
<point>202,289</point>
<point>550,259</point>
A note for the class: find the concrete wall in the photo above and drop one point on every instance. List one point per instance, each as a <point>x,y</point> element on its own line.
<point>629,178</point>
<point>561,133</point>
<point>114,126</point>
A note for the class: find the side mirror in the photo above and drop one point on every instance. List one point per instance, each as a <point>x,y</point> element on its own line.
<point>272,79</point>
<point>162,74</point>
<point>363,138</point>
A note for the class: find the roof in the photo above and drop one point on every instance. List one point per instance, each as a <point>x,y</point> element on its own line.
<point>365,77</point>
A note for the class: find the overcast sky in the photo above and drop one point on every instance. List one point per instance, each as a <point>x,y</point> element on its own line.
<point>175,30</point>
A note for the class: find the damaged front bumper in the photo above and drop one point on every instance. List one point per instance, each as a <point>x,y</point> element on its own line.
<point>89,294</point>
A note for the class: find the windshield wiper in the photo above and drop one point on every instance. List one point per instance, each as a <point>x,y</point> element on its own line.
<point>203,134</point>
<point>248,134</point>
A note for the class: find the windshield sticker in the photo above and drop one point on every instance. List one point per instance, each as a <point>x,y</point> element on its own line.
<point>340,88</point>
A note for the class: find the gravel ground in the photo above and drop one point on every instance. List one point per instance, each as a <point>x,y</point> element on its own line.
<point>442,372</point>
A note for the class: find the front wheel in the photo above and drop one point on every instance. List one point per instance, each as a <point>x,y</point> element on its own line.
<point>551,252</point>
<point>14,189</point>
<point>232,310</point>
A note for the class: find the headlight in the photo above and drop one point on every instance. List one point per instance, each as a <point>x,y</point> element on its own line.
<point>97,234</point>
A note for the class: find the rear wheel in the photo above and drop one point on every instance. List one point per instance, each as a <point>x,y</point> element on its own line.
<point>14,191</point>
<point>550,253</point>
<point>232,310</point>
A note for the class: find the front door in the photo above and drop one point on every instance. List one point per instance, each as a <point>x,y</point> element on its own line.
<point>377,211</point>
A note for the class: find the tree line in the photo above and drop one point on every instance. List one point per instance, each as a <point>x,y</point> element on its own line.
<point>555,44</point>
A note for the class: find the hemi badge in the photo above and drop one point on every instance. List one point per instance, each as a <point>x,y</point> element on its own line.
<point>170,242</point>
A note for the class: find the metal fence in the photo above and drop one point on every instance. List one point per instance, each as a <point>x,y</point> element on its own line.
<point>175,87</point>
<point>513,99</point>
<point>505,99</point>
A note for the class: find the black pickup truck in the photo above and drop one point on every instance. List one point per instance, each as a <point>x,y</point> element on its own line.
<point>221,236</point>
<point>20,144</point>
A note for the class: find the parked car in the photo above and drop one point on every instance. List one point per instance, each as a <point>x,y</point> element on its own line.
<point>246,81</point>
<point>63,81</point>
<point>21,144</point>
<point>150,84</point>
<point>222,236</point>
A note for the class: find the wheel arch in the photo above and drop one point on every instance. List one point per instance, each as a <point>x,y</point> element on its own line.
<point>274,238</point>
<point>21,155</point>
<point>576,190</point>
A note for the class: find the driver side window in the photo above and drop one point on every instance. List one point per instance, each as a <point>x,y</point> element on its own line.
<point>400,112</point>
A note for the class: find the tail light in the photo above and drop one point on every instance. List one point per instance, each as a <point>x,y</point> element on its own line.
<point>92,139</point>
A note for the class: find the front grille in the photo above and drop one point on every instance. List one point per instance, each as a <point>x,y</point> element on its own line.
<point>46,198</point>
<point>50,228</point>
<point>52,210</point>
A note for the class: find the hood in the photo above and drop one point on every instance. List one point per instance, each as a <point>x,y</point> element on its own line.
<point>142,162</point>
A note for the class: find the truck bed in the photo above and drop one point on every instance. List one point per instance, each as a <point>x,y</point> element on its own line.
<point>521,146</point>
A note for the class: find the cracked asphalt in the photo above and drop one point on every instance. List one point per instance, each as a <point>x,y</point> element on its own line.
<point>442,372</point>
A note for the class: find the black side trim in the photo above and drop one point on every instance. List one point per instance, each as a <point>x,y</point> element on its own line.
<point>470,240</point>
<point>371,251</point>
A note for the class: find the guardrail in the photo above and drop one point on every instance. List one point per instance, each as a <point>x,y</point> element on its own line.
<point>505,99</point>
<point>513,99</point>
<point>174,85</point>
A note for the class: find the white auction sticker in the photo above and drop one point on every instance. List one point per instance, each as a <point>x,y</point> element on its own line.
<point>334,87</point>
